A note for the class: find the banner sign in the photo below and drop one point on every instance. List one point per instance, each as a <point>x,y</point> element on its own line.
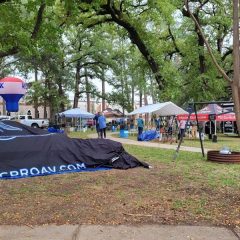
<point>228,127</point>
<point>44,170</point>
<point>201,117</point>
<point>205,117</point>
<point>226,117</point>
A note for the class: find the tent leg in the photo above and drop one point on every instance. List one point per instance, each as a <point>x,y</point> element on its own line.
<point>215,128</point>
<point>199,130</point>
<point>80,124</point>
<point>181,138</point>
<point>210,127</point>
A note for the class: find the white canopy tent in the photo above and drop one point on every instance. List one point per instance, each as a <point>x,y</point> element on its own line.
<point>161,109</point>
<point>76,113</point>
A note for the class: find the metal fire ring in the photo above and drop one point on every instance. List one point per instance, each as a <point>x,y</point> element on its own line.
<point>216,156</point>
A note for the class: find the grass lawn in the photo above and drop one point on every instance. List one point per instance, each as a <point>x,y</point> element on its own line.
<point>231,141</point>
<point>81,134</point>
<point>188,191</point>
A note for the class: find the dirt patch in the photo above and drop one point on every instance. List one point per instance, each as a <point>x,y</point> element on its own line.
<point>118,197</point>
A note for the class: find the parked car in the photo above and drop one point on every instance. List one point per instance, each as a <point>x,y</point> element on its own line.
<point>28,120</point>
<point>90,123</point>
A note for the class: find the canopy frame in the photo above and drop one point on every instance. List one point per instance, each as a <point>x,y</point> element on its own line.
<point>78,114</point>
<point>193,105</point>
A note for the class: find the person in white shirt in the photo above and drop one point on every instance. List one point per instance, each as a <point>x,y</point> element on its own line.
<point>170,125</point>
<point>181,126</point>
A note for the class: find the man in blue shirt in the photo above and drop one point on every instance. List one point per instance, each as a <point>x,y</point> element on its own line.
<point>102,125</point>
<point>140,124</point>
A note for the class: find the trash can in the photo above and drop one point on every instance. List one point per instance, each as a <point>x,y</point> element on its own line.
<point>123,133</point>
<point>214,139</point>
<point>113,129</point>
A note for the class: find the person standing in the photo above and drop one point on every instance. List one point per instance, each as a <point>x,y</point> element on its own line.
<point>158,123</point>
<point>97,123</point>
<point>131,123</point>
<point>182,125</point>
<point>140,124</point>
<point>194,129</point>
<point>170,125</point>
<point>102,125</point>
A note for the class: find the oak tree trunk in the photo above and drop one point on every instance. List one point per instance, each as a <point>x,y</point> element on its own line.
<point>103,92</point>
<point>87,90</point>
<point>76,86</point>
<point>35,101</point>
<point>133,97</point>
<point>236,80</point>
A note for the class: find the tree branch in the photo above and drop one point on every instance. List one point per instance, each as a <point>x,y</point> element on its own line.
<point>9,52</point>
<point>121,5</point>
<point>136,39</point>
<point>91,63</point>
<point>230,51</point>
<point>9,63</point>
<point>174,41</point>
<point>219,68</point>
<point>80,58</point>
<point>143,11</point>
<point>202,4</point>
<point>4,1</point>
<point>87,75</point>
<point>38,21</point>
<point>65,20</point>
<point>99,22</point>
<point>15,49</point>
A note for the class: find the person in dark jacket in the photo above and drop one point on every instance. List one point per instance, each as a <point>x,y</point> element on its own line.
<point>140,124</point>
<point>97,123</point>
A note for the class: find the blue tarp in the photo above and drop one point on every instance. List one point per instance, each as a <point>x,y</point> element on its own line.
<point>45,173</point>
<point>55,130</point>
<point>148,135</point>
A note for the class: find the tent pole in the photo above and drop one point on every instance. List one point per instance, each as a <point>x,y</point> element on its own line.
<point>181,138</point>
<point>80,124</point>
<point>210,127</point>
<point>199,130</point>
<point>215,127</point>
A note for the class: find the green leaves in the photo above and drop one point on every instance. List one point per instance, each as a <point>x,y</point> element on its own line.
<point>131,41</point>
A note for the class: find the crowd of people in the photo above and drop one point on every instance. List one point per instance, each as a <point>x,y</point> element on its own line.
<point>168,128</point>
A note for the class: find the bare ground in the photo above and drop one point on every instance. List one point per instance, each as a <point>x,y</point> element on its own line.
<point>158,195</point>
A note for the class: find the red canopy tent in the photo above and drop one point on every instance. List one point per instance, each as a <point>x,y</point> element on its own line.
<point>210,109</point>
<point>205,117</point>
<point>220,114</point>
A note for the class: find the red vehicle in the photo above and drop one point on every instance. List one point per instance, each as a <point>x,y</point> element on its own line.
<point>90,123</point>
